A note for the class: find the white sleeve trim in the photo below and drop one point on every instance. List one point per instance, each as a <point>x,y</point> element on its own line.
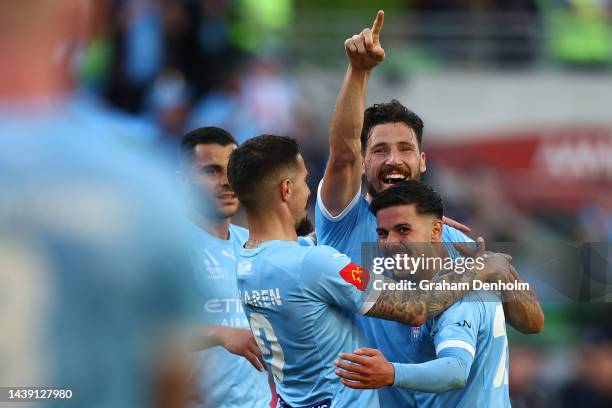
<point>369,301</point>
<point>343,213</point>
<point>456,343</point>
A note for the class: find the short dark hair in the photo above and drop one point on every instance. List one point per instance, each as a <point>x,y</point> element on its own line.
<point>204,135</point>
<point>389,112</point>
<point>408,192</point>
<point>257,160</point>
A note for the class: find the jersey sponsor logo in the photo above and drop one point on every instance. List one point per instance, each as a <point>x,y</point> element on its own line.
<point>244,268</point>
<point>228,254</point>
<point>356,275</point>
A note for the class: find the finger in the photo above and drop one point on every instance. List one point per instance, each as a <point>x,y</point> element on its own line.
<point>354,358</point>
<point>350,46</point>
<point>378,23</point>
<point>364,351</point>
<point>465,249</point>
<point>253,360</point>
<point>378,53</point>
<point>367,37</point>
<point>480,245</point>
<point>507,256</point>
<point>354,384</point>
<point>257,352</point>
<point>353,368</point>
<point>350,376</point>
<point>360,43</point>
<point>457,225</point>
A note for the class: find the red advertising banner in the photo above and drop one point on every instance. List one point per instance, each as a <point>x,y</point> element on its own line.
<point>562,168</point>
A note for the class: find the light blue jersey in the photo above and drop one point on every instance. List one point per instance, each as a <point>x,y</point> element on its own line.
<point>346,233</point>
<point>227,380</point>
<point>301,302</point>
<point>475,325</point>
<point>93,263</point>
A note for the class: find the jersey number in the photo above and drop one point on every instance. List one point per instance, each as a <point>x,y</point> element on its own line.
<point>499,330</point>
<point>258,324</point>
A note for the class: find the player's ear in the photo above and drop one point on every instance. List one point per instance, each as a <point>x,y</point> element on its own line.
<point>182,181</point>
<point>437,227</point>
<point>423,165</point>
<point>285,189</point>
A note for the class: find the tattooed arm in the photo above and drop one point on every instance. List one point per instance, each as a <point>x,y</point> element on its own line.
<point>522,309</point>
<point>415,307</point>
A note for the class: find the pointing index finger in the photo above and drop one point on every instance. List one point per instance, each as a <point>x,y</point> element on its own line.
<point>378,23</point>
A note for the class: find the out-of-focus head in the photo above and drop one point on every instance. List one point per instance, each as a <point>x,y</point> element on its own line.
<point>203,172</point>
<point>391,146</point>
<point>268,171</point>
<point>39,39</point>
<point>409,214</point>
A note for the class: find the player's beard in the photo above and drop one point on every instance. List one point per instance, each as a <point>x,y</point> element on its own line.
<point>304,227</point>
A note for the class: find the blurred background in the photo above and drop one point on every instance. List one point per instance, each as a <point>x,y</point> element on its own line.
<point>516,96</point>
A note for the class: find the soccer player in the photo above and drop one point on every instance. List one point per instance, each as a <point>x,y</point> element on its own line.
<point>300,301</point>
<point>95,277</point>
<point>385,142</point>
<point>461,355</point>
<point>226,379</point>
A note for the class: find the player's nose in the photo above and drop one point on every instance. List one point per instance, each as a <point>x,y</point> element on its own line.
<point>393,158</point>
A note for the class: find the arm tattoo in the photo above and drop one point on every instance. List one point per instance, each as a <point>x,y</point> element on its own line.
<point>415,307</point>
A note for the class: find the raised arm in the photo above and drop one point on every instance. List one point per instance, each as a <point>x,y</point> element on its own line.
<point>522,309</point>
<point>342,178</point>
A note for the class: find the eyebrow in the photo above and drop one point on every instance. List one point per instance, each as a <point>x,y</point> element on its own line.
<point>404,224</point>
<point>210,166</point>
<point>379,144</point>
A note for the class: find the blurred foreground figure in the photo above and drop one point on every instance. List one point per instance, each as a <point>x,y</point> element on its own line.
<point>94,275</point>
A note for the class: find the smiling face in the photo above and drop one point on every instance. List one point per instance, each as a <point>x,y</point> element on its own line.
<point>392,154</point>
<point>206,181</point>
<point>402,230</point>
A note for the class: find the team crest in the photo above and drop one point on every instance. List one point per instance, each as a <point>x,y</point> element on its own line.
<point>415,332</point>
<point>356,275</point>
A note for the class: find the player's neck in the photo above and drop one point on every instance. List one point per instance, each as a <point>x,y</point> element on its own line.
<point>269,226</point>
<point>217,227</point>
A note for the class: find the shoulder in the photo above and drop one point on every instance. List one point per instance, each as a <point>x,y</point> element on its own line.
<point>471,304</point>
<point>323,258</point>
<point>357,205</point>
<point>322,253</point>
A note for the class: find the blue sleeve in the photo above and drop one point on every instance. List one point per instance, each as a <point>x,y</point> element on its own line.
<point>331,277</point>
<point>335,230</point>
<point>458,326</point>
<point>447,372</point>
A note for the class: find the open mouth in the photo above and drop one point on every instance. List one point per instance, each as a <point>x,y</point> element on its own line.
<point>393,178</point>
<point>226,196</point>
